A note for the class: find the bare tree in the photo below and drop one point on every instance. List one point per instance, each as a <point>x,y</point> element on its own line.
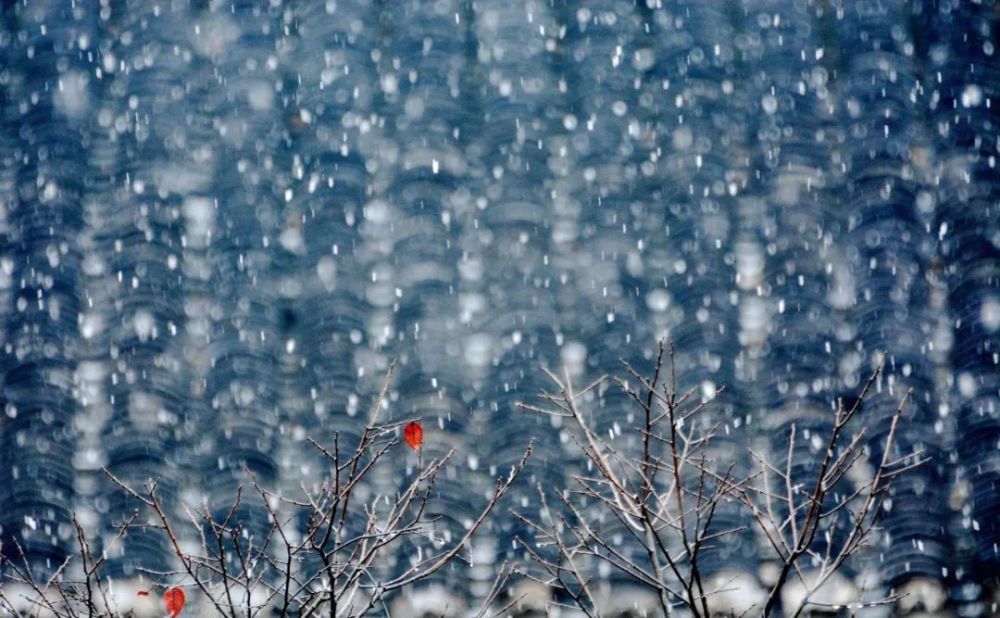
<point>790,514</point>
<point>59,594</point>
<point>665,498</point>
<point>330,566</point>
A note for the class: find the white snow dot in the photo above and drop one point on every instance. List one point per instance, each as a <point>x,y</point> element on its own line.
<point>972,96</point>
<point>769,103</point>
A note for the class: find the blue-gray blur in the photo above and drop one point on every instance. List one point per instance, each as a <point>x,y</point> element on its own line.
<point>220,219</point>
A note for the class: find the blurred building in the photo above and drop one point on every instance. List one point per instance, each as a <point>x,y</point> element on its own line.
<point>221,219</point>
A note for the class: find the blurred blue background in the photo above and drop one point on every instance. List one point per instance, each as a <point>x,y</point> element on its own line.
<point>221,219</point>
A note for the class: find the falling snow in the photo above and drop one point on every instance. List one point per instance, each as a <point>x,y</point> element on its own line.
<point>221,221</point>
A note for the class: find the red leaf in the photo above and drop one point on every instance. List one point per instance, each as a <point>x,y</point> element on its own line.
<point>413,433</point>
<point>142,593</point>
<point>174,600</point>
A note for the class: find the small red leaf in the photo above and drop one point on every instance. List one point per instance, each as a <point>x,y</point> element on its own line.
<point>413,433</point>
<point>173,598</point>
<point>142,593</point>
